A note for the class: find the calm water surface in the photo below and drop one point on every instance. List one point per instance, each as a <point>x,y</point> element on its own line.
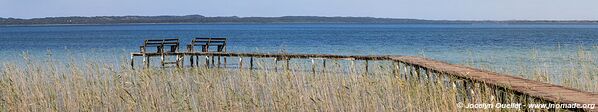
<point>455,43</point>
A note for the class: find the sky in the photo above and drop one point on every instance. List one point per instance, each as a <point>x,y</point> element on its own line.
<point>415,9</point>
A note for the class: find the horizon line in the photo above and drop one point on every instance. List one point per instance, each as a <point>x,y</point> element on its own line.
<point>506,20</point>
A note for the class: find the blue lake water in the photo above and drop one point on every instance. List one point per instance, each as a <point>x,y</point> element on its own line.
<point>454,43</point>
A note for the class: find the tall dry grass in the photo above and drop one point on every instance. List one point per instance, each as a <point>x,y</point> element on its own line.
<point>50,85</point>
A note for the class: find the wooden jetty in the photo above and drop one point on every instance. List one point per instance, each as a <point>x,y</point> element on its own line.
<point>501,85</point>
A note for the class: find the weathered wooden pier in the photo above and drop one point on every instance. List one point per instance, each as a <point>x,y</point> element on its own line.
<point>471,80</point>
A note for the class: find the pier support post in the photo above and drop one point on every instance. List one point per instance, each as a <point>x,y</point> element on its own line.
<point>396,69</point>
<point>485,94</point>
<point>218,61</point>
<point>207,61</point>
<point>251,63</point>
<point>240,63</point>
<point>465,92</point>
<point>407,69</point>
<point>132,62</point>
<point>196,61</point>
<point>428,80</point>
<point>313,66</point>
<point>452,81</point>
<point>411,72</point>
<point>502,94</point>
<point>178,60</point>
<point>418,75</point>
<point>191,60</point>
<point>213,64</point>
<point>476,92</point>
<point>162,60</point>
<point>276,64</point>
<point>428,73</point>
<point>288,65</point>
<point>147,60</point>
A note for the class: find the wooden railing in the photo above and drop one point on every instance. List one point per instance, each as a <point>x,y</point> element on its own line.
<point>470,80</point>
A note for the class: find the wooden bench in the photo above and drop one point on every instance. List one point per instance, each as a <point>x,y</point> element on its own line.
<point>160,45</point>
<point>163,47</point>
<point>206,43</point>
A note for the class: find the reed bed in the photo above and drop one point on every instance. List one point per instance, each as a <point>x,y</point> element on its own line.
<point>94,86</point>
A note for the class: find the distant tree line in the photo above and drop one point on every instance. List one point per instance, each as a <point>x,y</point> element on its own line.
<point>234,19</point>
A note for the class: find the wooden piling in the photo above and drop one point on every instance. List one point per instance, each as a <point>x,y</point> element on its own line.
<point>180,63</point>
<point>240,63</point>
<point>218,61</point>
<point>132,62</point>
<point>313,66</point>
<point>162,60</point>
<point>251,63</point>
<point>191,62</point>
<point>147,64</point>
<point>288,64</point>
<point>212,57</point>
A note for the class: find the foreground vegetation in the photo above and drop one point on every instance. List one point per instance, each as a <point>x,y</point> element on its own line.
<point>91,86</point>
<point>50,85</point>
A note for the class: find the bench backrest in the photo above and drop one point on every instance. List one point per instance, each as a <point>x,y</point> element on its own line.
<point>161,44</point>
<point>209,42</point>
<point>205,44</point>
<point>152,43</point>
<point>173,43</point>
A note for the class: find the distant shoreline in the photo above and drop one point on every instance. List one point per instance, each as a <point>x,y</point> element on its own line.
<point>40,25</point>
<point>198,19</point>
<point>214,24</point>
<point>236,24</point>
